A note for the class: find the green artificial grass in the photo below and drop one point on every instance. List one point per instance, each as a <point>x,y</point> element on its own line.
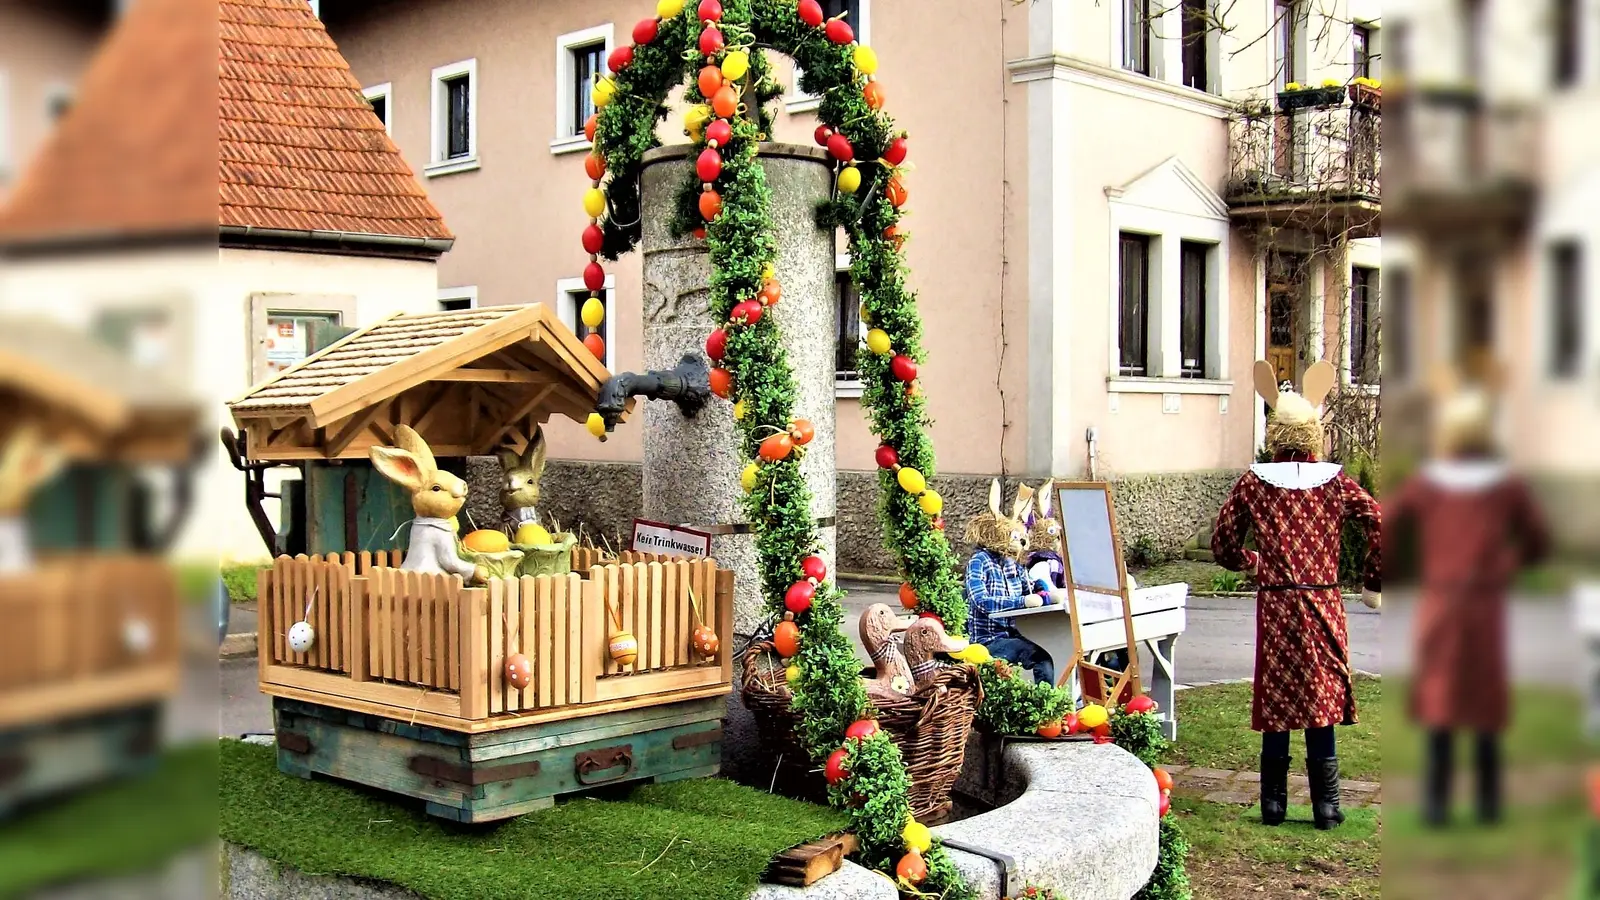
<point>1214,731</point>
<point>131,825</point>
<point>706,839</point>
<point>1232,854</point>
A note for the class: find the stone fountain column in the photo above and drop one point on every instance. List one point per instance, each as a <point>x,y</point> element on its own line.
<point>691,466</point>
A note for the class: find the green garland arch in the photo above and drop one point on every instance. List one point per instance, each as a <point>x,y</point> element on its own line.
<point>733,207</point>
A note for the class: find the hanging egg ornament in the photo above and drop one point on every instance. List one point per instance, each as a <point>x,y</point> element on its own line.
<point>594,165</point>
<point>594,278</point>
<point>137,636</point>
<point>917,837</point>
<point>873,95</point>
<point>861,729</point>
<point>594,239</point>
<point>840,32</point>
<point>839,148</point>
<point>746,312</point>
<point>938,523</point>
<point>895,153</point>
<point>719,133</point>
<point>908,596</point>
<point>811,13</point>
<point>735,65</point>
<point>904,368</point>
<point>894,235</point>
<point>802,431</point>
<point>777,447</point>
<point>596,345</point>
<point>620,58</point>
<point>594,203</point>
<point>930,502</point>
<point>886,457</point>
<point>666,9</point>
<point>822,134</point>
<point>835,770</point>
<point>849,180</point>
<point>710,11</point>
<point>815,568</point>
<point>709,80</point>
<point>710,204</point>
<point>694,120</point>
<point>589,126</point>
<point>705,641</point>
<point>786,639</point>
<point>594,312</point>
<point>866,59</point>
<point>799,596</point>
<point>747,478</point>
<point>897,193</point>
<point>519,671</point>
<point>911,868</point>
<point>699,233</point>
<point>645,31</point>
<point>605,90</point>
<point>911,480</point>
<point>717,345</point>
<point>725,102</point>
<point>878,342</point>
<point>596,424</point>
<point>711,41</point>
<point>771,292</point>
<point>624,648</point>
<point>721,382</point>
<point>709,165</point>
<point>301,636</point>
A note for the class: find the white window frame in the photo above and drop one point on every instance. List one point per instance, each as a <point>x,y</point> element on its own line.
<point>569,134</point>
<point>850,388</point>
<point>1347,364</point>
<point>799,101</point>
<point>569,305</point>
<point>468,293</point>
<point>386,91</point>
<point>438,164</point>
<point>1544,282</point>
<point>1167,231</point>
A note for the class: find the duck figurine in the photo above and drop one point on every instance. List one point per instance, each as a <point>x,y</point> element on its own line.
<point>925,638</point>
<point>879,626</point>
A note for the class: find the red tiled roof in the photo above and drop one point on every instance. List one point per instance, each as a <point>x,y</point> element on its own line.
<point>298,146</point>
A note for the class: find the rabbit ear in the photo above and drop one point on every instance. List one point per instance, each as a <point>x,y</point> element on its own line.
<point>1267,382</point>
<point>1023,503</point>
<point>994,497</point>
<point>508,458</point>
<point>1318,382</point>
<point>407,439</point>
<point>29,461</point>
<point>399,466</point>
<point>1045,492</point>
<point>533,457</point>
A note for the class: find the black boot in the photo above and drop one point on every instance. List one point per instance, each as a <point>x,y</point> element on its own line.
<point>1274,789</point>
<point>1488,760</point>
<point>1324,775</point>
<point>1438,777</point>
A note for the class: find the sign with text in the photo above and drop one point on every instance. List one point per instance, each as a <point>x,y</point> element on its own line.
<point>655,537</point>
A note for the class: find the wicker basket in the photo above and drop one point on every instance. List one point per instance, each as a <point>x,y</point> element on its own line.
<point>930,727</point>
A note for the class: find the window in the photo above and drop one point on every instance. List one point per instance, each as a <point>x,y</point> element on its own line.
<point>856,12</point>
<point>587,65</point>
<point>1566,309</point>
<point>1567,32</point>
<point>1133,322</point>
<point>286,328</point>
<point>580,62</point>
<point>1397,319</point>
<point>1196,43</point>
<point>1288,32</point>
<point>1363,325</point>
<point>1193,282</point>
<point>455,124</point>
<point>1136,36</point>
<point>1361,51</point>
<point>570,297</point>
<point>378,97</point>
<point>848,338</point>
<point>455,298</point>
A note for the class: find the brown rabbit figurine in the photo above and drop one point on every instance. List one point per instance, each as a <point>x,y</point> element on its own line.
<point>519,491</point>
<point>436,496</point>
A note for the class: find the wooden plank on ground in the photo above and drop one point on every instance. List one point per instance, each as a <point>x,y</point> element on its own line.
<point>809,863</point>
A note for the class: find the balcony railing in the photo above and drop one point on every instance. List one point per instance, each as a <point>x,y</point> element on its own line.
<point>1454,157</point>
<point>1316,156</point>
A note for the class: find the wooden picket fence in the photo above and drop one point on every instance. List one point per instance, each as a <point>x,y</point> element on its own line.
<point>82,634</point>
<point>426,648</point>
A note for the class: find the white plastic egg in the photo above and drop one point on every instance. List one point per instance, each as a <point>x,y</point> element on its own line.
<point>301,637</point>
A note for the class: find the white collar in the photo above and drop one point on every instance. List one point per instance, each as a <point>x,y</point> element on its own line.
<point>431,522</point>
<point>523,515</point>
<point>1465,474</point>
<point>1297,476</point>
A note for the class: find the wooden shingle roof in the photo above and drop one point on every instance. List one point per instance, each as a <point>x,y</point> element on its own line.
<point>468,381</point>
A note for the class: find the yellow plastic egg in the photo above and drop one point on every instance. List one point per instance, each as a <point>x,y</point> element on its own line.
<point>534,534</point>
<point>1093,716</point>
<point>735,65</point>
<point>866,60</point>
<point>624,648</point>
<point>878,342</point>
<point>694,121</point>
<point>849,180</point>
<point>738,411</point>
<point>912,480</point>
<point>747,478</point>
<point>596,425</point>
<point>768,272</point>
<point>594,312</point>
<point>594,202</point>
<point>486,540</point>
<point>792,674</point>
<point>917,837</point>
<point>931,502</point>
<point>666,9</point>
<point>605,90</point>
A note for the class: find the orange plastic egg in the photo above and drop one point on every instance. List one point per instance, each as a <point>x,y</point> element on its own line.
<point>710,205</point>
<point>710,81</point>
<point>725,102</point>
<point>912,868</point>
<point>908,596</point>
<point>519,671</point>
<point>721,383</point>
<point>786,638</point>
<point>873,94</point>
<point>596,345</point>
<point>777,448</point>
<point>589,127</point>
<point>705,641</point>
<point>897,193</point>
<point>595,165</point>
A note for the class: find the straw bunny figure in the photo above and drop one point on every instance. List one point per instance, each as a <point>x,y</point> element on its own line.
<point>1297,507</point>
<point>1046,570</point>
<point>996,582</point>
<point>436,496</point>
<point>519,491</point>
<point>26,462</point>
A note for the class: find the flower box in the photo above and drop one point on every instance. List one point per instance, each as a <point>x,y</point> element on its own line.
<point>1366,95</point>
<point>1305,98</point>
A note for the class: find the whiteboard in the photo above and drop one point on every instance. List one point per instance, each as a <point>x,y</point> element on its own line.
<point>1086,527</point>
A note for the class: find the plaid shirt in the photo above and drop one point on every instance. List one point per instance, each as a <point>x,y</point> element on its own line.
<point>994,583</point>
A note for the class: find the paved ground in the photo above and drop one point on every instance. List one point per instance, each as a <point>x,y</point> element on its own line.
<point>1224,786</point>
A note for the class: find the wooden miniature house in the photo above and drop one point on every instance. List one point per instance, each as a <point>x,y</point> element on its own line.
<point>407,685</point>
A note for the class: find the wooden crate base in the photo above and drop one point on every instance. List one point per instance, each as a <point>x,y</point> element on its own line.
<point>495,775</point>
<point>41,762</point>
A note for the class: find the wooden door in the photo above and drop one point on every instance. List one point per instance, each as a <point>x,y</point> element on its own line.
<point>1285,290</point>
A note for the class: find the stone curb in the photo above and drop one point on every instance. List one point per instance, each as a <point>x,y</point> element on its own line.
<point>235,646</point>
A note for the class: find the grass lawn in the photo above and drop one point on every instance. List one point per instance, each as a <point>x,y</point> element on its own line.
<point>705,838</point>
<point>1214,731</point>
<point>127,826</point>
<point>1200,576</point>
<point>1233,855</point>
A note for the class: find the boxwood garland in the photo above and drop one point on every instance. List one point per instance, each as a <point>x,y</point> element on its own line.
<point>828,693</point>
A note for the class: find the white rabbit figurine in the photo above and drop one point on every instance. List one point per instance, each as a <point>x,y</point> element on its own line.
<point>436,496</point>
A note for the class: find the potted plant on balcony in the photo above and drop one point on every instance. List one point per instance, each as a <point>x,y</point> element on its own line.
<point>1299,96</point>
<point>1366,93</point>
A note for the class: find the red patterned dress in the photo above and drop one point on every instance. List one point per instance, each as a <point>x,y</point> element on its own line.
<point>1296,511</point>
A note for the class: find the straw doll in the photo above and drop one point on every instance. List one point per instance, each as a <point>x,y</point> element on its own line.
<point>996,582</point>
<point>1476,523</point>
<point>1296,508</point>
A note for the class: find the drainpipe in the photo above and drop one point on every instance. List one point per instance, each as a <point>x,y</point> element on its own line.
<point>1092,437</point>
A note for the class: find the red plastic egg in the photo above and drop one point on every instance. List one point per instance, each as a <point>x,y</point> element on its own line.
<point>835,771</point>
<point>594,165</point>
<point>721,383</point>
<point>594,277</point>
<point>840,32</point>
<point>822,134</point>
<point>873,94</point>
<point>699,233</point>
<point>895,153</point>
<point>717,345</point>
<point>814,567</point>
<point>710,204</point>
<point>839,148</point>
<point>811,12</point>
<point>1141,704</point>
<point>1166,804</point>
<point>861,730</point>
<point>719,133</point>
<point>709,165</point>
<point>912,868</point>
<point>712,41</point>
<point>725,102</point>
<point>776,448</point>
<point>887,457</point>
<point>1102,733</point>
<point>596,345</point>
<point>903,368</point>
<point>798,598</point>
<point>908,596</point>
<point>619,58</point>
<point>786,639</point>
<point>930,615</point>
<point>594,238</point>
<point>1050,730</point>
<point>1069,725</point>
<point>938,523</point>
<point>802,431</point>
<point>589,125</point>
<point>645,31</point>
<point>710,11</point>
<point>746,312</point>
<point>710,80</point>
